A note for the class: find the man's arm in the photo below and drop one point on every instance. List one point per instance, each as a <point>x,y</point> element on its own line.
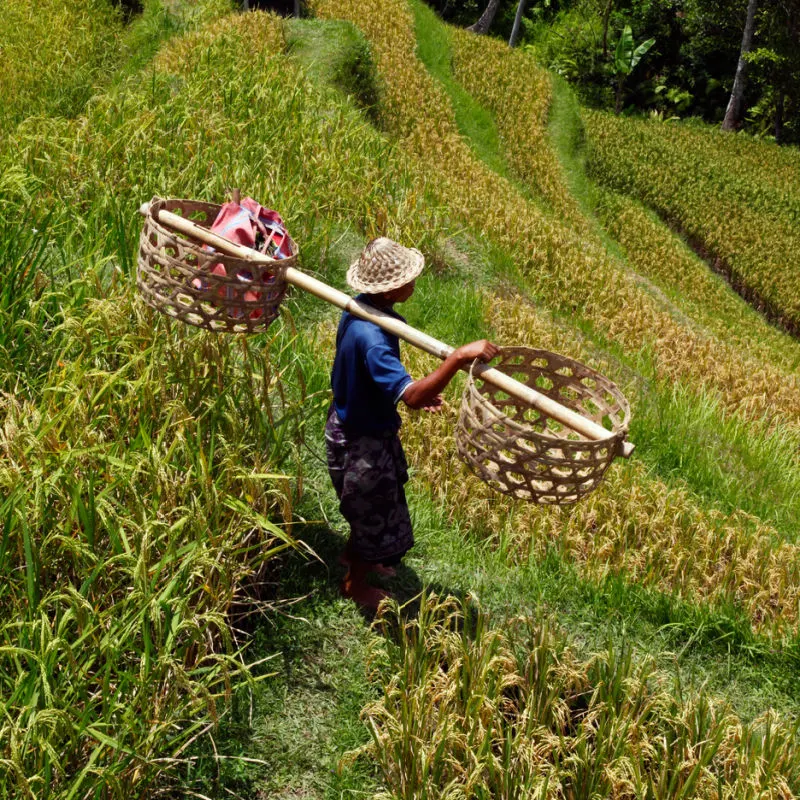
<point>424,392</point>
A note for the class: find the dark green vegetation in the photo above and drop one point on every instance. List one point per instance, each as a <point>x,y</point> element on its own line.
<point>172,623</point>
<point>689,72</point>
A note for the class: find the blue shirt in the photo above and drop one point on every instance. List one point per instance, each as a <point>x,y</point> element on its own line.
<point>368,378</point>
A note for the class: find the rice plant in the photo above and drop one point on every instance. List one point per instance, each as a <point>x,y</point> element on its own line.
<point>53,54</point>
<point>744,224</point>
<point>472,709</point>
<point>569,272</point>
<point>149,472</point>
<point>659,255</point>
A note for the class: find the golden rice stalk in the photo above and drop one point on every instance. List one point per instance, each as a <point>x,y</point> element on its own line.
<point>473,710</point>
<point>574,272</point>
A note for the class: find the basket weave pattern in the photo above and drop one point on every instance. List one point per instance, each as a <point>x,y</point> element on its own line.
<point>523,452</point>
<point>176,276</point>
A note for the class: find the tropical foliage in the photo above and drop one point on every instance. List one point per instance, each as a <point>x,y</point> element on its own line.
<point>690,69</point>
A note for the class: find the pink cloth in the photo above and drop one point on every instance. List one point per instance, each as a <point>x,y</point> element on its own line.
<point>241,223</point>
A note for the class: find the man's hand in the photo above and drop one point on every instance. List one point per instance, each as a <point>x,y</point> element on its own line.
<point>435,405</point>
<point>424,393</point>
<point>483,350</point>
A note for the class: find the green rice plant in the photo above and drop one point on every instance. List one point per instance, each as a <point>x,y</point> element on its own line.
<point>138,499</point>
<point>658,255</point>
<point>53,53</point>
<point>149,471</point>
<point>475,709</point>
<point>193,127</point>
<point>26,308</point>
<point>745,225</point>
<point>56,56</point>
<point>568,272</point>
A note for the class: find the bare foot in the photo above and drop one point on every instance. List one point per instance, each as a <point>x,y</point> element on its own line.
<point>362,593</point>
<point>378,569</point>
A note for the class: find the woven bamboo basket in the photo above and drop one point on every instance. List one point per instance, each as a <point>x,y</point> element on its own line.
<point>538,426</point>
<point>523,452</point>
<point>186,280</point>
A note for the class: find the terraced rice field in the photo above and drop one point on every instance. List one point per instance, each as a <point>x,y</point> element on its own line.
<point>162,489</point>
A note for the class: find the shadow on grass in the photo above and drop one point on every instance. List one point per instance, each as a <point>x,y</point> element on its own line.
<point>297,730</point>
<point>317,577</point>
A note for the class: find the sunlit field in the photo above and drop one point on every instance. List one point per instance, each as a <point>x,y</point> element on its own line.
<point>171,625</point>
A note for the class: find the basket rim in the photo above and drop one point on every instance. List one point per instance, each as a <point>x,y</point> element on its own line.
<point>158,203</point>
<point>527,431</point>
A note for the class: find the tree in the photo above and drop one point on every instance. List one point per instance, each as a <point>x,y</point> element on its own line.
<point>606,17</point>
<point>485,22</point>
<point>735,109</point>
<point>775,65</point>
<point>514,38</point>
<point>626,58</point>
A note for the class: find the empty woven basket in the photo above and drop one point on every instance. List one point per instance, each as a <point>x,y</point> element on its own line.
<point>521,451</point>
<point>193,283</point>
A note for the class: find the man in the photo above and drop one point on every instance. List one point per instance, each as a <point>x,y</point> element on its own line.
<point>365,458</point>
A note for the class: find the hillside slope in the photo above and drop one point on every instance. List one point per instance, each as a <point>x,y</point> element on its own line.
<point>158,481</point>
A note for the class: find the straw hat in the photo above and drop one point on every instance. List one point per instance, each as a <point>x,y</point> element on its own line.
<point>384,265</point>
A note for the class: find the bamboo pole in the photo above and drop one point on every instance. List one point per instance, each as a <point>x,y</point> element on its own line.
<point>566,416</point>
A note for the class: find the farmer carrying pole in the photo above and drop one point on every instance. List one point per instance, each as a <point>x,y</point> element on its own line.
<point>365,457</point>
<point>537,426</point>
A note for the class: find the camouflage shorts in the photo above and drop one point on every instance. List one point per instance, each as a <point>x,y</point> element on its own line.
<point>368,474</point>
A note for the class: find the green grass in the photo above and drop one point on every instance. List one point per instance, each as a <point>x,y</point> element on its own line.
<point>290,735</point>
<point>475,123</point>
<point>730,465</point>
<point>336,54</point>
<point>567,138</point>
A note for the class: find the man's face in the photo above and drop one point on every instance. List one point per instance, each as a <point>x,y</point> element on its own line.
<point>401,294</point>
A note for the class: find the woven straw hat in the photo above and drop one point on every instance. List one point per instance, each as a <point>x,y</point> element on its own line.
<point>385,265</point>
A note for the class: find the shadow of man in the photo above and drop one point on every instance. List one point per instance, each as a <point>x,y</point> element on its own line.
<point>315,571</point>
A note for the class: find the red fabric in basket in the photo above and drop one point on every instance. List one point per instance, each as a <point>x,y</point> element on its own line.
<point>241,223</point>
